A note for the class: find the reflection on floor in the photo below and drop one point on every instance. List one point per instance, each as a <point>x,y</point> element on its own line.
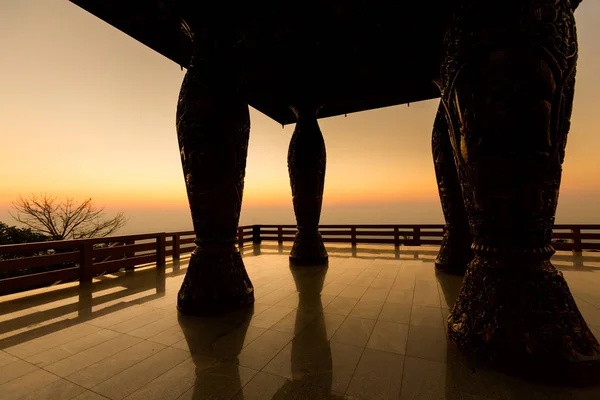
<point>370,326</point>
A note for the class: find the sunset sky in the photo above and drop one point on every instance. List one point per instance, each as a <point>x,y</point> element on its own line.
<point>86,111</point>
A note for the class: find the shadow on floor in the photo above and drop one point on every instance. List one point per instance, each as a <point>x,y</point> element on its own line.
<point>53,309</point>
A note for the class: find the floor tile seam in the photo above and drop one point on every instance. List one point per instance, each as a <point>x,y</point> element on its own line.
<point>336,329</point>
<point>358,301</point>
<point>273,357</point>
<point>157,377</point>
<point>336,283</point>
<point>20,376</point>
<point>25,358</point>
<point>110,355</point>
<point>332,313</point>
<point>380,310</point>
<point>310,385</point>
<point>412,304</point>
<point>41,337</point>
<point>264,295</point>
<point>100,394</point>
<point>597,308</point>
<point>276,322</point>
<point>15,356</point>
<point>113,325</point>
<point>384,299</point>
<point>120,334</point>
<point>355,368</point>
<point>428,359</point>
<point>44,386</point>
<point>162,331</point>
<point>389,351</point>
<point>73,354</point>
<point>137,363</point>
<point>423,358</point>
<point>379,314</point>
<point>444,320</point>
<point>253,340</point>
<point>151,337</point>
<point>388,289</point>
<point>250,380</point>
<point>139,327</point>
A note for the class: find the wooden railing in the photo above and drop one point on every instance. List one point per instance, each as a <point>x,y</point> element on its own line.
<point>72,260</point>
<point>407,235</point>
<point>576,238</point>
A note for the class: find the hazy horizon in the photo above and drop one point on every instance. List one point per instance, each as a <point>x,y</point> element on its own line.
<point>86,111</point>
<point>169,219</point>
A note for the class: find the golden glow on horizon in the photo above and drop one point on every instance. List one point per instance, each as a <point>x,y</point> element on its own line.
<point>88,112</point>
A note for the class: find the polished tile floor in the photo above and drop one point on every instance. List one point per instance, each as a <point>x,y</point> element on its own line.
<point>370,326</point>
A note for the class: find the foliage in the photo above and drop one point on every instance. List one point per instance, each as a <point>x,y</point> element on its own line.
<point>65,219</point>
<point>14,235</point>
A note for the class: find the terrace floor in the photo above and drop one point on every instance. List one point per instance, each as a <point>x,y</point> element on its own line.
<point>371,326</point>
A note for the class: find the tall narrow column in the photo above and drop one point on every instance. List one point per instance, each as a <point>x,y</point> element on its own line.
<point>306,166</point>
<point>213,126</point>
<point>508,85</point>
<point>455,250</point>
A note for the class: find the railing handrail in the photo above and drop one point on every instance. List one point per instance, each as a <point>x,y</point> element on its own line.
<point>92,260</point>
<point>59,244</point>
<point>73,243</point>
<point>363,226</point>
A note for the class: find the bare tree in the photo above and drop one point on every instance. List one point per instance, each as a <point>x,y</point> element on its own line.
<point>65,219</point>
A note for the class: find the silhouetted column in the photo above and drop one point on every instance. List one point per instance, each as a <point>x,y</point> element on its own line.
<point>213,126</point>
<point>306,165</point>
<point>455,250</point>
<point>508,83</point>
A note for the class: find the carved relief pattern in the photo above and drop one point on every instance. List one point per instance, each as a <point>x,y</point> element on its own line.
<point>306,165</point>
<point>213,126</point>
<point>507,88</point>
<point>455,250</point>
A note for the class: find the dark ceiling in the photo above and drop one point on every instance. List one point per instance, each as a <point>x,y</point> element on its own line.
<point>348,55</point>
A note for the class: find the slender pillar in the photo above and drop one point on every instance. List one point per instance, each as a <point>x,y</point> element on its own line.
<point>455,250</point>
<point>306,165</point>
<point>213,126</point>
<point>507,86</point>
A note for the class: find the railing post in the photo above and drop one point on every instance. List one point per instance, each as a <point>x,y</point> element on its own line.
<point>416,236</point>
<point>176,247</point>
<point>353,236</point>
<point>280,235</point>
<point>576,232</point>
<point>161,250</point>
<point>396,237</point>
<point>256,234</point>
<point>240,238</point>
<point>129,254</point>
<point>86,272</point>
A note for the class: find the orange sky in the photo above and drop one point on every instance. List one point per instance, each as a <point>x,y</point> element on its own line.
<point>86,111</point>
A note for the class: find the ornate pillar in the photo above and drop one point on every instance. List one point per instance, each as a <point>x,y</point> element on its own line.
<point>507,87</point>
<point>455,250</point>
<point>213,126</point>
<point>306,166</point>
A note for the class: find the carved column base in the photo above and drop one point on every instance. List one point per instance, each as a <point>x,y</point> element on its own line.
<point>216,282</point>
<point>524,320</point>
<point>308,249</point>
<point>455,252</point>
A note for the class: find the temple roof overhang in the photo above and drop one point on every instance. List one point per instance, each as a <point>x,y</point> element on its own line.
<point>349,56</point>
